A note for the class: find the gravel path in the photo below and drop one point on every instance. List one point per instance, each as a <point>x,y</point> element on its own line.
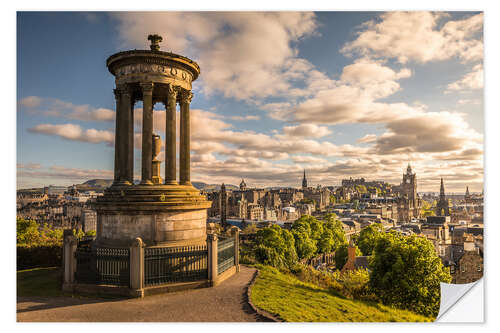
<point>224,303</point>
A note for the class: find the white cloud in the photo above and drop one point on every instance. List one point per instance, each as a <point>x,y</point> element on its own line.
<point>472,80</point>
<point>30,101</point>
<point>68,174</point>
<point>306,130</point>
<point>416,36</point>
<point>241,54</point>
<point>469,101</point>
<point>54,107</point>
<point>245,118</point>
<point>367,72</point>
<point>74,132</point>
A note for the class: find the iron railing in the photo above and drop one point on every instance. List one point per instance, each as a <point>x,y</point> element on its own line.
<point>225,254</point>
<point>102,266</point>
<point>175,264</point>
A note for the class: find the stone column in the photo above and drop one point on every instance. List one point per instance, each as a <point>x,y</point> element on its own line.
<point>236,235</point>
<point>137,268</point>
<point>170,137</point>
<point>124,163</point>
<point>118,137</point>
<point>212,258</point>
<point>69,260</point>
<point>129,104</point>
<point>147,132</point>
<point>185,145</point>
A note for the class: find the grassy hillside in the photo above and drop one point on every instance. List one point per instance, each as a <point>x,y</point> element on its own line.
<point>296,301</point>
<point>39,282</point>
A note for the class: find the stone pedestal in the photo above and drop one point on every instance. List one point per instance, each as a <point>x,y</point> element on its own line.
<point>161,215</point>
<point>156,179</point>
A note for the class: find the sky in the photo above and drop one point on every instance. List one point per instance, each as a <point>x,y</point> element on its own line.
<point>339,94</point>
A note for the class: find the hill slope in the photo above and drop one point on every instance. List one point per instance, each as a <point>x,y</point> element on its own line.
<point>296,301</point>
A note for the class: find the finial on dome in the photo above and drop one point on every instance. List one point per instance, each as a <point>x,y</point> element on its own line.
<point>155,42</point>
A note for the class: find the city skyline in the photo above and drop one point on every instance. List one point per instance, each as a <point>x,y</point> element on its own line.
<point>335,93</point>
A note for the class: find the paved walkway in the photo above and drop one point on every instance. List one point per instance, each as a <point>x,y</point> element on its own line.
<point>224,303</point>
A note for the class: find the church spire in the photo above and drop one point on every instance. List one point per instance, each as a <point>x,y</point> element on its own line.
<point>304,180</point>
<point>442,207</point>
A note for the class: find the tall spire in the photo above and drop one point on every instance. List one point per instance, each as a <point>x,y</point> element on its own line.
<point>304,180</point>
<point>408,170</point>
<point>467,191</point>
<point>442,207</point>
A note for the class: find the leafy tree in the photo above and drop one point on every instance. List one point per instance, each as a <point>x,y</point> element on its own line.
<point>304,245</point>
<point>341,255</point>
<point>333,200</point>
<point>427,209</point>
<point>250,229</point>
<point>90,233</point>
<point>368,238</point>
<point>355,205</point>
<point>406,273</point>
<point>275,246</point>
<point>316,228</point>
<point>326,243</point>
<point>27,231</point>
<point>78,233</point>
<point>361,189</point>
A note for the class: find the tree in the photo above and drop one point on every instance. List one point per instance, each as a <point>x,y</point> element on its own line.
<point>427,209</point>
<point>341,255</point>
<point>361,188</point>
<point>275,246</point>
<point>251,228</point>
<point>304,245</point>
<point>26,231</point>
<point>406,273</point>
<point>368,238</point>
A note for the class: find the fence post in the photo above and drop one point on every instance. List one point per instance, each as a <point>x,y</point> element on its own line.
<point>69,260</point>
<point>137,268</point>
<point>236,235</point>
<point>212,258</point>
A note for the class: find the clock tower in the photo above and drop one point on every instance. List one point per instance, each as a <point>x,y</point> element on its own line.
<point>409,201</point>
<point>409,185</point>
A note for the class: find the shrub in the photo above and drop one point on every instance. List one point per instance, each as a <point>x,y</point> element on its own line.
<point>47,255</point>
<point>406,272</point>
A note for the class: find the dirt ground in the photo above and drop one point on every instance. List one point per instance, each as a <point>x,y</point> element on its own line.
<point>223,303</point>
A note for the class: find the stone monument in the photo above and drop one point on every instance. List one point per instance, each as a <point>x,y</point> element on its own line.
<point>167,212</point>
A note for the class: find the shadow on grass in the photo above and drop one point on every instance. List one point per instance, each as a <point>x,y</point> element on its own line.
<point>41,288</point>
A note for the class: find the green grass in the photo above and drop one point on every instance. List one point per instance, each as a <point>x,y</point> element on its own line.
<point>44,281</point>
<point>296,301</point>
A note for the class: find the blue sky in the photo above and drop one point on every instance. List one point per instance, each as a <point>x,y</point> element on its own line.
<point>341,94</point>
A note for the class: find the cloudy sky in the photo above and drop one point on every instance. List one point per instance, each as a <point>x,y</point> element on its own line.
<point>341,94</point>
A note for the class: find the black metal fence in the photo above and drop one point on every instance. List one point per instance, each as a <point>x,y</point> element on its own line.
<point>102,265</point>
<point>176,264</point>
<point>225,254</point>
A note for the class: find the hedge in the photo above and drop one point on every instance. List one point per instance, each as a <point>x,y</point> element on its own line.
<point>30,256</point>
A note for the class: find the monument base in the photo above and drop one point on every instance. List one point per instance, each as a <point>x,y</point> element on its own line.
<point>161,215</point>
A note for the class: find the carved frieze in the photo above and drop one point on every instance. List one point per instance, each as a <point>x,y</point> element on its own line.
<point>169,71</point>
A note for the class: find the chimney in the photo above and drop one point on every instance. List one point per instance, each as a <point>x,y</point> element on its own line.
<point>351,253</point>
<point>469,244</point>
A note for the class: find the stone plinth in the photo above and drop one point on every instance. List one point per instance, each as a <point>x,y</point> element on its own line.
<point>161,215</point>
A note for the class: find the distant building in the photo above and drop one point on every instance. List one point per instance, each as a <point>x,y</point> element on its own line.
<point>442,207</point>
<point>354,262</point>
<point>468,267</point>
<point>409,203</point>
<point>89,220</point>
